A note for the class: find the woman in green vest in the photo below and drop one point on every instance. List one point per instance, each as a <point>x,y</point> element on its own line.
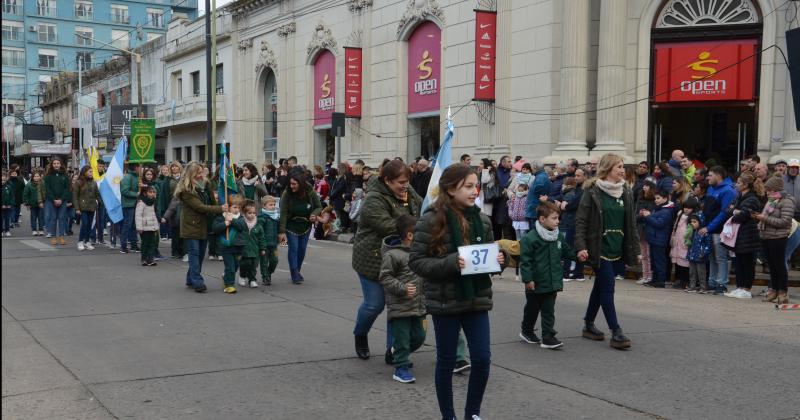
<point>300,206</point>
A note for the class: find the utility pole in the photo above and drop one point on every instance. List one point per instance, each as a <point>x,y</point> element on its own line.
<point>139,84</point>
<point>213,78</point>
<point>80,96</point>
<point>209,105</point>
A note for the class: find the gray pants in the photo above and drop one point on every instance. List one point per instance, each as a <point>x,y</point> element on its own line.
<point>697,275</point>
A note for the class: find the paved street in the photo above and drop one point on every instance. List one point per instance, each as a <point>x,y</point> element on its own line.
<point>93,335</point>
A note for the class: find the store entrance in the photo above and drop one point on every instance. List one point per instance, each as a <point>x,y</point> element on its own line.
<point>423,137</point>
<point>325,150</point>
<point>724,134</point>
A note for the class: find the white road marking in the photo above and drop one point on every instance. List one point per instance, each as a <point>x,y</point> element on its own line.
<point>41,246</point>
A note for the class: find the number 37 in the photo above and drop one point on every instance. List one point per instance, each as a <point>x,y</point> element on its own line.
<point>476,256</point>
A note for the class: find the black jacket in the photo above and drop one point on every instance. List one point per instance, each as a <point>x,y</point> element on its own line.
<point>589,226</point>
<point>747,239</point>
<point>420,182</point>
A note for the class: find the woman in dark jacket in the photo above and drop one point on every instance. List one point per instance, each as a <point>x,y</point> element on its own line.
<point>606,235</point>
<point>390,196</point>
<point>338,192</point>
<point>750,201</point>
<point>56,195</point>
<point>300,207</point>
<point>455,301</point>
<point>250,185</point>
<point>663,176</point>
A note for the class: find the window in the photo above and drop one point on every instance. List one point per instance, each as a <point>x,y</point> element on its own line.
<point>12,7</point>
<point>13,86</point>
<point>195,83</point>
<point>220,85</point>
<point>46,7</point>
<point>175,81</point>
<point>201,152</point>
<point>47,58</point>
<point>153,35</point>
<point>84,10</point>
<point>47,32</point>
<point>155,18</point>
<point>84,36</point>
<point>9,108</point>
<point>119,13</point>
<point>14,57</point>
<point>176,153</point>
<point>188,153</point>
<point>84,57</point>
<point>12,30</point>
<point>120,38</point>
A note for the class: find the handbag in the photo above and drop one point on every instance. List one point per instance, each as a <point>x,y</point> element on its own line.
<point>729,233</point>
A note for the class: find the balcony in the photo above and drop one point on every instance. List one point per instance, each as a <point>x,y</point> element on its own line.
<point>189,110</point>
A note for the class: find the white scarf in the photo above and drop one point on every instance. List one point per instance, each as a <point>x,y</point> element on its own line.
<point>546,234</point>
<point>611,188</point>
<point>250,225</point>
<point>251,181</point>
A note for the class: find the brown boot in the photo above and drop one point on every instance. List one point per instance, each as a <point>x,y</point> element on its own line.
<point>771,296</point>
<point>783,298</point>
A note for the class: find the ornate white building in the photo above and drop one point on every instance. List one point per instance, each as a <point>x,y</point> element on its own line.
<point>637,77</point>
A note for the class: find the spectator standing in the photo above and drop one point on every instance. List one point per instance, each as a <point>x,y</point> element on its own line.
<point>721,194</point>
<point>751,193</point>
<point>540,187</point>
<point>775,224</point>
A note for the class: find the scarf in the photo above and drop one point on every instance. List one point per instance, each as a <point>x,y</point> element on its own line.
<point>546,234</point>
<point>250,181</point>
<point>273,214</point>
<point>467,286</point>
<point>250,224</point>
<point>147,201</point>
<point>611,188</point>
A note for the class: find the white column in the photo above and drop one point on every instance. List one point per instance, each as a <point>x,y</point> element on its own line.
<point>611,76</point>
<point>790,148</point>
<point>574,75</point>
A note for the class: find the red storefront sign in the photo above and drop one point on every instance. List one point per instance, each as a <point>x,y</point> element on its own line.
<point>485,52</point>
<point>705,71</point>
<point>324,87</point>
<point>424,68</point>
<point>352,82</point>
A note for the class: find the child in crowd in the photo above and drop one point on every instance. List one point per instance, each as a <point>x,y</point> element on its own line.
<point>255,244</point>
<point>699,250</point>
<point>147,224</point>
<point>524,176</point>
<point>229,241</point>
<point>355,208</point>
<point>541,254</point>
<point>678,246</point>
<point>645,201</point>
<point>33,197</point>
<point>516,210</point>
<point>571,198</point>
<point>8,204</point>
<point>71,220</point>
<point>270,221</point>
<point>657,232</point>
<point>404,298</point>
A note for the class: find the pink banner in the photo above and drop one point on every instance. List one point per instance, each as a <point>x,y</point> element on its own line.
<point>424,68</point>
<point>324,87</point>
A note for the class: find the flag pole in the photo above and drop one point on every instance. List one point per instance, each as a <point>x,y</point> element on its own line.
<point>225,158</point>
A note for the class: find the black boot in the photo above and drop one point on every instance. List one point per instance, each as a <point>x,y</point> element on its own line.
<point>362,347</point>
<point>592,333</point>
<point>619,340</point>
<point>388,357</point>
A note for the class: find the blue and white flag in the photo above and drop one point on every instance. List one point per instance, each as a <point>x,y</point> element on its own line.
<point>109,185</point>
<point>443,160</point>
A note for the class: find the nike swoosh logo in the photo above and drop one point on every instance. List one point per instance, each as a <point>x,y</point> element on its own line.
<point>485,25</point>
<point>482,87</point>
<point>351,107</point>
<point>352,59</point>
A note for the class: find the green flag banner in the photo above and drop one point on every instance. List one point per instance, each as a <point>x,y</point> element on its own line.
<point>143,140</point>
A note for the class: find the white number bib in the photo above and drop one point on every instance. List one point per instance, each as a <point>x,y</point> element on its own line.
<point>480,258</point>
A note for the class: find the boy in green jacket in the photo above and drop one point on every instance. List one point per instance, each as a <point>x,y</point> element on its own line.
<point>33,197</point>
<point>229,242</point>
<point>541,253</point>
<point>269,219</point>
<point>255,244</point>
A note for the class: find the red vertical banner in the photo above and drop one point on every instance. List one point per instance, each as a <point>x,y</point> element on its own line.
<point>485,54</point>
<point>353,82</point>
<point>324,87</point>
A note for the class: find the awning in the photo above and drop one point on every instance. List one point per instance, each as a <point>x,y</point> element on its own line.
<point>63,149</point>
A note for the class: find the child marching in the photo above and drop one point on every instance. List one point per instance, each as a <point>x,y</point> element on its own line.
<point>147,224</point>
<point>270,222</point>
<point>229,242</point>
<point>255,244</point>
<point>33,197</point>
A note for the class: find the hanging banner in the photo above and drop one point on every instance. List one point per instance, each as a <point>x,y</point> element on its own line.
<point>143,140</point>
<point>424,69</point>
<point>485,53</point>
<point>705,71</point>
<point>352,82</point>
<point>324,88</point>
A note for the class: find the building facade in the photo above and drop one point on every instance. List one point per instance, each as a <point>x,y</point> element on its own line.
<point>42,38</point>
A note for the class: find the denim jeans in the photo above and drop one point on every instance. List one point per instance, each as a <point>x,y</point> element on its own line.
<point>718,264</point>
<point>86,226</point>
<point>658,263</point>
<point>370,308</point>
<point>476,329</point>
<point>37,218</point>
<point>571,269</point>
<point>128,233</point>
<point>297,250</point>
<point>791,245</point>
<point>602,295</point>
<point>8,219</point>
<point>196,249</point>
<point>17,213</point>
<point>57,224</point>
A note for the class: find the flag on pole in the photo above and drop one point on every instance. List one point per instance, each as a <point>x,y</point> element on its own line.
<point>226,176</point>
<point>443,160</point>
<point>94,156</point>
<point>109,185</point>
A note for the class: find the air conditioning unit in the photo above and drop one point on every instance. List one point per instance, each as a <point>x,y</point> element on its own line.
<point>32,28</point>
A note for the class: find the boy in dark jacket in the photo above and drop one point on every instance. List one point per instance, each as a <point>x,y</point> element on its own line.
<point>9,202</point>
<point>255,244</point>
<point>269,219</point>
<point>33,197</point>
<point>542,250</point>
<point>404,298</point>
<point>699,250</point>
<point>229,240</point>
<point>657,230</point>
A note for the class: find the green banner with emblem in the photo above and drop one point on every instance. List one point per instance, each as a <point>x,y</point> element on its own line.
<point>142,141</point>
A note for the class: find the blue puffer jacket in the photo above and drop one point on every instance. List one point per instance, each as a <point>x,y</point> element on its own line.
<point>665,183</point>
<point>541,185</point>
<point>658,226</point>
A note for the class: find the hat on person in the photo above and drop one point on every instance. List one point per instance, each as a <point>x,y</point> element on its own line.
<point>794,163</point>
<point>779,161</point>
<point>774,184</point>
<point>518,165</point>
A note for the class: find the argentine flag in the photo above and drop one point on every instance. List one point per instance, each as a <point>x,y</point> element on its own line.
<point>109,185</point>
<point>443,160</point>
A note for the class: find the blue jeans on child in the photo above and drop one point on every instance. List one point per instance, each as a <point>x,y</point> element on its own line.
<point>476,329</point>
<point>297,249</point>
<point>602,294</point>
<point>8,216</point>
<point>370,308</point>
<point>57,222</point>
<point>196,249</point>
<point>86,226</point>
<point>37,218</point>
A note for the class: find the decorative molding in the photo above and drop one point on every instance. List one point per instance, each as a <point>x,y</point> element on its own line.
<point>266,58</point>
<point>245,44</point>
<point>356,6</point>
<point>322,39</point>
<point>682,13</point>
<point>285,30</point>
<point>488,5</point>
<point>355,38</point>
<point>428,10</point>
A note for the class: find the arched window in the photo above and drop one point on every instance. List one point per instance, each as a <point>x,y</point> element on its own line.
<point>682,13</point>
<point>270,117</point>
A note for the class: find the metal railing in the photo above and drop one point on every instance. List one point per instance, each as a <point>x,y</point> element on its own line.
<point>189,109</point>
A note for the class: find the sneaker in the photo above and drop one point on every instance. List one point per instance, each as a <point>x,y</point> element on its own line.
<point>619,278</point>
<point>136,250</point>
<point>530,338</point>
<point>53,241</point>
<point>35,233</point>
<point>581,279</point>
<point>253,284</point>
<point>186,258</point>
<point>567,279</point>
<point>161,258</point>
<point>152,264</point>
<point>461,366</point>
<point>476,417</point>
<point>80,246</point>
<point>402,374</point>
<point>242,282</point>
<point>551,343</point>
<point>266,282</point>
<point>703,291</point>
<point>201,289</point>
<point>643,280</point>
<point>691,290</point>
<point>219,257</point>
<point>212,257</point>
<point>655,284</point>
<point>732,293</point>
<point>123,250</point>
<point>49,235</point>
<point>743,294</point>
<point>229,289</point>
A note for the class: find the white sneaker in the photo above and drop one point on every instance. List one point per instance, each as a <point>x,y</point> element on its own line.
<point>186,258</point>
<point>80,246</point>
<point>619,278</point>
<point>242,282</point>
<point>475,417</point>
<point>567,279</point>
<point>219,257</point>
<point>254,284</point>
<point>516,278</point>
<point>49,235</point>
<point>582,279</point>
<point>35,233</point>
<point>643,280</point>
<point>89,246</point>
<point>743,294</point>
<point>732,293</point>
